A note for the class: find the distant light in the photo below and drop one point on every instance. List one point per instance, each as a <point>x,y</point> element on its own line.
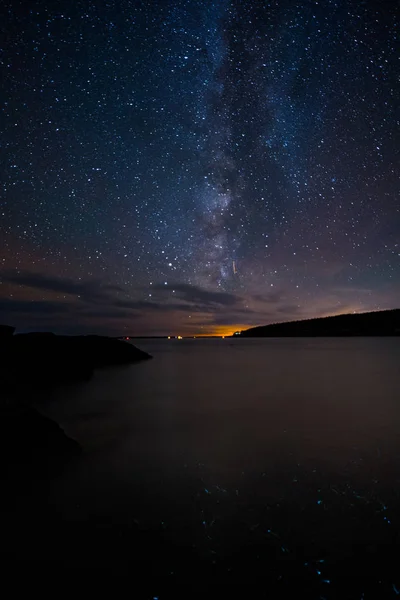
<point>223,337</point>
<point>179,337</point>
<point>127,338</point>
<point>169,337</point>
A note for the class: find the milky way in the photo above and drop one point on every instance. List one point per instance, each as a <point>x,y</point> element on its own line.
<point>198,166</point>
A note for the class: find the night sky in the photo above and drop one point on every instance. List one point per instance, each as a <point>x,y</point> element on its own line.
<point>187,167</point>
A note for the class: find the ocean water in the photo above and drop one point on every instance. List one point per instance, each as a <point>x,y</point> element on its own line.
<point>273,460</point>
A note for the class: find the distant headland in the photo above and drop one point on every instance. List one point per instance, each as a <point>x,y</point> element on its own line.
<point>380,323</point>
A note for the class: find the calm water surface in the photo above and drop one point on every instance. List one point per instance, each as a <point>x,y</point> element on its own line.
<point>275,459</point>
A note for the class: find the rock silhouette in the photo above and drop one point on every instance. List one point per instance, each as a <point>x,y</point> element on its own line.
<point>32,445</point>
<point>6,331</point>
<point>33,448</point>
<point>43,360</point>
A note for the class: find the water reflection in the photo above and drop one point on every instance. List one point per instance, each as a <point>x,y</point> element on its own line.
<point>242,453</point>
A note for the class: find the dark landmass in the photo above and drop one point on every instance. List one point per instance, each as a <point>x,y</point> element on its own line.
<point>382,323</point>
<point>33,448</point>
<point>42,360</point>
<point>6,331</point>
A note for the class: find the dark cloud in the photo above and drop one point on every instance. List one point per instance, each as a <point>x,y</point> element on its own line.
<point>228,319</point>
<point>8,305</point>
<point>93,305</point>
<point>144,306</point>
<point>269,298</point>
<point>289,309</point>
<point>196,295</point>
<point>107,312</point>
<point>85,290</point>
<point>95,291</point>
<point>90,306</point>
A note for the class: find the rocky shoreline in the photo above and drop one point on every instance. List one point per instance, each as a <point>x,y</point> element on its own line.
<point>33,447</point>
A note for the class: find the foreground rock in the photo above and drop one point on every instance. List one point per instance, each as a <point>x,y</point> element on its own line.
<point>33,449</point>
<point>44,359</point>
<point>6,331</point>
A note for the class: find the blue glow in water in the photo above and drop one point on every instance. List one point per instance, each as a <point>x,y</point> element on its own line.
<point>396,590</point>
<point>319,501</point>
<point>273,533</point>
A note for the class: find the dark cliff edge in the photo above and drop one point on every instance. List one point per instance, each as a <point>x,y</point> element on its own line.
<point>33,448</point>
<point>42,360</point>
<point>381,323</point>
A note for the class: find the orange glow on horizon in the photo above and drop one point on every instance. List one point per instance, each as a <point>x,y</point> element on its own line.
<point>229,330</point>
<point>223,330</point>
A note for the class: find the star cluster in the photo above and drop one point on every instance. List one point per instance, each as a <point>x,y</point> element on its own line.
<point>199,166</point>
